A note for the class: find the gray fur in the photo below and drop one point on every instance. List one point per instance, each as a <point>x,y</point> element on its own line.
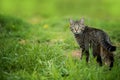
<point>95,38</point>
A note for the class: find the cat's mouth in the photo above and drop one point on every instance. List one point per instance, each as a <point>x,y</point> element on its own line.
<point>78,32</point>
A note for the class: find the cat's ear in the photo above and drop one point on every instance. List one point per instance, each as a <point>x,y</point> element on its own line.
<point>71,21</point>
<point>82,21</point>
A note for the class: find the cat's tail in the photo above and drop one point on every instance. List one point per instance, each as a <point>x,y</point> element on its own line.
<point>108,46</point>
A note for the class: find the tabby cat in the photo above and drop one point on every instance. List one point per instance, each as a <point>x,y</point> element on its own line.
<point>97,39</point>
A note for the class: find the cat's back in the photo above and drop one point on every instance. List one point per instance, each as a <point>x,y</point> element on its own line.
<point>94,36</point>
<point>93,32</point>
<point>91,29</point>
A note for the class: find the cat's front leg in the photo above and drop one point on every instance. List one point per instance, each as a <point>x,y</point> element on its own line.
<point>82,52</point>
<point>81,55</point>
<point>87,56</point>
<point>86,53</point>
<point>99,60</point>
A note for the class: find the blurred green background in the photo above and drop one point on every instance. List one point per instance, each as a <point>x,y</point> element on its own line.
<point>37,44</point>
<point>60,8</point>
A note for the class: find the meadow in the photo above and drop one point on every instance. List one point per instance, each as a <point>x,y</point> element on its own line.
<point>42,48</point>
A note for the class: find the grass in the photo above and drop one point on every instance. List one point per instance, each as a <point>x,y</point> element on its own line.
<point>43,51</point>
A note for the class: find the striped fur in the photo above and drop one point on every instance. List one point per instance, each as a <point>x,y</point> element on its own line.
<point>91,37</point>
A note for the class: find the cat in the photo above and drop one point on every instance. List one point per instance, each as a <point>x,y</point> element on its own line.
<point>96,39</point>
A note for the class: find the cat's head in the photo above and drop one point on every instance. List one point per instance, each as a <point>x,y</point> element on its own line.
<point>77,27</point>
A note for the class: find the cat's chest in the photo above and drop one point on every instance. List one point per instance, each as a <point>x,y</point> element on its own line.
<point>80,38</point>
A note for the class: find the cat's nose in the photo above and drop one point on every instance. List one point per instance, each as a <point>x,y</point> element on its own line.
<point>75,29</point>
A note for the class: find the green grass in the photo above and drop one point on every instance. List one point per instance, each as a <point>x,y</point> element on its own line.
<point>43,51</point>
